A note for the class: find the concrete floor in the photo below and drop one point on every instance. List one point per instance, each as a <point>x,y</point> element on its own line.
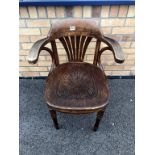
<point>115,135</point>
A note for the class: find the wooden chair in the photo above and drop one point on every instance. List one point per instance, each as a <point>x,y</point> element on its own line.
<point>76,87</point>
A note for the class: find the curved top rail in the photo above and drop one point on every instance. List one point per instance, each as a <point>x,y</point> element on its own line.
<point>74,27</point>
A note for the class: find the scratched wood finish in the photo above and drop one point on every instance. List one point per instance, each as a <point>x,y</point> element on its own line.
<point>76,86</point>
<point>81,87</point>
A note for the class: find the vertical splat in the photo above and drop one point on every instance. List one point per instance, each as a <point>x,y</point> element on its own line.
<point>97,48</point>
<point>82,41</point>
<point>65,47</point>
<point>69,46</point>
<point>75,46</point>
<point>85,46</point>
<point>54,48</point>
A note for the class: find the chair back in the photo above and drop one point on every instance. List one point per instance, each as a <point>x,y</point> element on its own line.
<point>75,36</point>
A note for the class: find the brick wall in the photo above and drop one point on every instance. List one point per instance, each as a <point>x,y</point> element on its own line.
<point>115,21</point>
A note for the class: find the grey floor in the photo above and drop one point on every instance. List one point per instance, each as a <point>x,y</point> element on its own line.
<point>115,135</point>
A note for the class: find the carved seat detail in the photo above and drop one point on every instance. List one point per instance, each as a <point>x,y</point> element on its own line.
<point>76,85</point>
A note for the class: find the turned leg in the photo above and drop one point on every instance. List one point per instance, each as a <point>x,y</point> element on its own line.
<point>98,119</point>
<point>54,117</point>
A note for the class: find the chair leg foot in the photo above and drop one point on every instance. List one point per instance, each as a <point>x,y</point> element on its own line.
<point>98,119</point>
<point>54,118</point>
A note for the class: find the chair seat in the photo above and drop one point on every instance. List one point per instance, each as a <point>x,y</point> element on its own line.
<point>73,87</point>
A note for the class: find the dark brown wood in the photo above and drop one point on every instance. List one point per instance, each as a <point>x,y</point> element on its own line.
<point>83,38</point>
<point>76,86</point>
<point>54,118</point>
<point>80,87</point>
<point>115,48</point>
<point>68,42</point>
<point>85,46</point>
<point>98,119</point>
<point>66,48</point>
<point>55,53</point>
<point>97,48</point>
<point>99,57</point>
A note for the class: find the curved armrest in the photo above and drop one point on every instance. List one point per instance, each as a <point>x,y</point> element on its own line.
<point>114,46</point>
<point>37,48</point>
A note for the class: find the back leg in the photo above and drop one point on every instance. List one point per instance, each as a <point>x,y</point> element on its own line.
<point>54,118</point>
<point>98,119</point>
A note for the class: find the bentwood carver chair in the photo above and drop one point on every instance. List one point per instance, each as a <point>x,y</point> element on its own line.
<point>76,87</point>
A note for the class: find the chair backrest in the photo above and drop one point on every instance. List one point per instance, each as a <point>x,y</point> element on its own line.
<point>75,36</point>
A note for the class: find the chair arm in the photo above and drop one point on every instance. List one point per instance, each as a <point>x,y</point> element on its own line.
<point>99,56</point>
<point>37,48</point>
<point>114,46</point>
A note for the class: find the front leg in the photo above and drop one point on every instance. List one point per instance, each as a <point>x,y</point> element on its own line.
<point>54,117</point>
<point>98,119</point>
